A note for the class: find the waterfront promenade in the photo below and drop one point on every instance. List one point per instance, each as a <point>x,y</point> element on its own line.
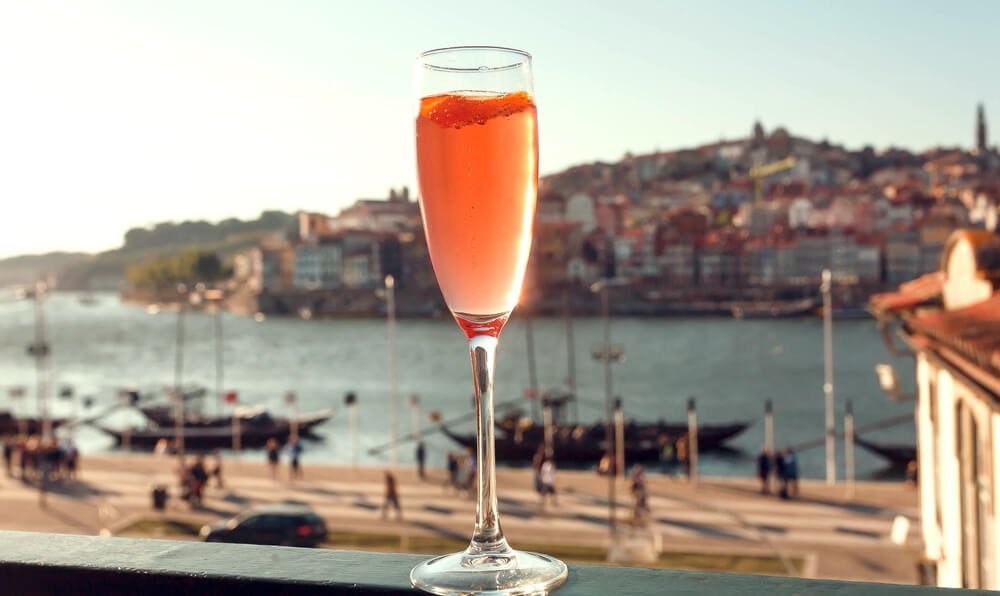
<point>830,536</point>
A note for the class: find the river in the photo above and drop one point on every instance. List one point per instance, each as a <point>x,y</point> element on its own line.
<point>729,366</point>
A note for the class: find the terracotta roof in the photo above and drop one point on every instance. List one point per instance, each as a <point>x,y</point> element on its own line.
<point>973,331</point>
<point>910,295</point>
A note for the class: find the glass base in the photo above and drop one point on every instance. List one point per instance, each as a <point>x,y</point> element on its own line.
<point>515,572</point>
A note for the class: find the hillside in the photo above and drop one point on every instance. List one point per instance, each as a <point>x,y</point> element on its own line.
<point>25,269</point>
<point>103,270</point>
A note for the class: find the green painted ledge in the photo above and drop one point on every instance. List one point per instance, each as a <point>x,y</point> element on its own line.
<point>32,563</point>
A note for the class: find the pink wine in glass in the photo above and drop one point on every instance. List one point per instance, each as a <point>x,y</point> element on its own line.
<point>477,156</point>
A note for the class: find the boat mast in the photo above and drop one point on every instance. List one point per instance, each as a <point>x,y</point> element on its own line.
<point>40,351</point>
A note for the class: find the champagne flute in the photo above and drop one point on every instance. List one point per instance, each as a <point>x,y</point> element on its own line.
<point>477,161</point>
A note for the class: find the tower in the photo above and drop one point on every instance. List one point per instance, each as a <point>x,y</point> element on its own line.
<point>980,129</point>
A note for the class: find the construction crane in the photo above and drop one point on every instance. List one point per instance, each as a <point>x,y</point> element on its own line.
<point>760,171</point>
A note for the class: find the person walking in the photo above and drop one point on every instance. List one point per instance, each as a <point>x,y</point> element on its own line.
<point>295,453</point>
<point>536,472</point>
<point>764,471</point>
<point>273,457</point>
<point>8,455</point>
<point>216,470</point>
<point>391,496</point>
<point>640,498</point>
<point>469,472</point>
<point>452,482</point>
<point>792,472</point>
<point>781,471</point>
<point>548,476</point>
<point>199,476</point>
<point>421,457</point>
<point>72,455</point>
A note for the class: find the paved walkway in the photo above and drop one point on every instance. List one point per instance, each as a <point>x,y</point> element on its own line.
<point>838,538</point>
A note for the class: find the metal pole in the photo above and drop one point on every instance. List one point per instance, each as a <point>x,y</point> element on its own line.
<point>293,415</point>
<point>354,433</point>
<point>41,364</point>
<point>693,440</point>
<point>570,354</point>
<point>390,301</point>
<point>619,439</point>
<point>769,427</point>
<point>218,357</point>
<point>237,433</point>
<point>610,413</point>
<point>179,348</point>
<point>178,376</point>
<point>831,445</point>
<point>22,420</point>
<point>415,417</point>
<point>529,338</point>
<point>179,422</point>
<point>849,448</point>
<point>127,431</point>
<point>547,425</point>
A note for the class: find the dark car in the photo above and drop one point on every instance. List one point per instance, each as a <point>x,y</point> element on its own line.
<point>284,525</point>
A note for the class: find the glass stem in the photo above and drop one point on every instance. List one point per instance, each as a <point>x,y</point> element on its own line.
<point>488,537</point>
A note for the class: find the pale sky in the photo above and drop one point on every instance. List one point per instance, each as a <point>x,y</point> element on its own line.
<point>117,114</point>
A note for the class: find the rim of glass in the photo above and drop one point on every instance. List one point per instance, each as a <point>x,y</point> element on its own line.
<point>526,57</point>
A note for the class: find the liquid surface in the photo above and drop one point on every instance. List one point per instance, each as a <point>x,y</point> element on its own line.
<point>477,158</point>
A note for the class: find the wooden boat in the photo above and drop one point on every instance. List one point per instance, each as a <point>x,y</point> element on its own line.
<point>9,424</point>
<point>896,454</point>
<point>585,443</point>
<point>163,416</point>
<point>772,309</point>
<point>201,439</point>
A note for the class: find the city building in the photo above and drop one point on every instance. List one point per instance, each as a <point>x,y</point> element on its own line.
<point>398,213</point>
<point>950,319</point>
<point>319,265</point>
<point>271,267</point>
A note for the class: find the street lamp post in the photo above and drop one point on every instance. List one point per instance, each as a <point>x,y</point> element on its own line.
<point>178,391</point>
<point>769,427</point>
<point>293,415</point>
<point>415,417</point>
<point>619,439</point>
<point>607,353</point>
<point>351,401</point>
<point>40,350</point>
<point>828,397</point>
<point>849,448</point>
<point>529,340</point>
<point>390,307</point>
<point>570,353</point>
<point>547,427</point>
<point>215,297</point>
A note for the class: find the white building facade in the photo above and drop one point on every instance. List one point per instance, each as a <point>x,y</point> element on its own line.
<point>951,321</point>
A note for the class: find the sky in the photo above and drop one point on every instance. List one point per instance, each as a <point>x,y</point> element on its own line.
<point>115,114</point>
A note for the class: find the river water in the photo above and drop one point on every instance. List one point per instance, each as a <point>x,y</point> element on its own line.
<point>729,366</point>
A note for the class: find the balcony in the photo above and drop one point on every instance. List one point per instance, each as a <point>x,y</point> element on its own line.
<point>61,564</point>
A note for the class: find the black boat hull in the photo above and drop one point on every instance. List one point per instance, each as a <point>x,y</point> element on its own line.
<point>162,416</point>
<point>585,445</point>
<point>897,455</point>
<point>201,439</point>
<point>32,426</point>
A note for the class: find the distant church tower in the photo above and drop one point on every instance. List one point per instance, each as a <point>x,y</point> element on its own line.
<point>980,129</point>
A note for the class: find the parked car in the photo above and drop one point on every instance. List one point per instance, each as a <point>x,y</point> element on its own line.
<point>284,525</point>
